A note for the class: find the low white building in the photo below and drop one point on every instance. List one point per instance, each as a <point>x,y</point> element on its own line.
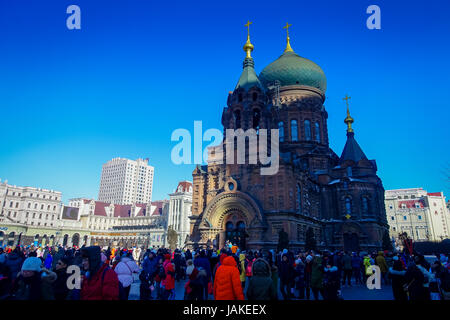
<point>29,205</point>
<point>422,215</point>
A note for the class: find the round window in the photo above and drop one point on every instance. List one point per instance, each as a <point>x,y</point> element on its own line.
<point>230,186</point>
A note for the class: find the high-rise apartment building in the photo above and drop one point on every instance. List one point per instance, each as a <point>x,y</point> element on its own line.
<point>126,181</point>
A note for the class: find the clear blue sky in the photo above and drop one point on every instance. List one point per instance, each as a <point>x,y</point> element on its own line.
<point>138,69</point>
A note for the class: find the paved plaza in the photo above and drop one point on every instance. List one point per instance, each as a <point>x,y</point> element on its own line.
<point>356,292</point>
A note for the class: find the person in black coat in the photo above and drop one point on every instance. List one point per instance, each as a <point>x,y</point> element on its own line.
<point>60,288</point>
<point>397,275</point>
<point>414,279</point>
<point>286,274</point>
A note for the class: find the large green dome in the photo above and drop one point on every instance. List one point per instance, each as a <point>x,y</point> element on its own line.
<point>291,69</point>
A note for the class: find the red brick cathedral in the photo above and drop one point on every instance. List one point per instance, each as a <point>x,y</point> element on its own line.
<point>341,199</point>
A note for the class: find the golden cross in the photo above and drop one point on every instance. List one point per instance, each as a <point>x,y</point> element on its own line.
<point>287,28</point>
<point>346,99</point>
<point>248,26</point>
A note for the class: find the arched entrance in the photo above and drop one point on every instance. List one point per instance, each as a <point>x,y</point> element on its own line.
<point>2,237</point>
<point>65,240</point>
<point>36,240</point>
<point>76,239</point>
<point>235,232</point>
<point>44,240</point>
<point>11,239</point>
<point>231,216</point>
<point>351,242</point>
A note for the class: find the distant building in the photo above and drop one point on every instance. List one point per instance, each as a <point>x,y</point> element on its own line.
<point>23,208</point>
<point>422,215</point>
<point>180,204</point>
<point>125,181</point>
<point>114,224</point>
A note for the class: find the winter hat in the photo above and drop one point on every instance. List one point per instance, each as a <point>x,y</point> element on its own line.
<point>285,251</point>
<point>309,258</point>
<point>395,258</point>
<point>32,264</point>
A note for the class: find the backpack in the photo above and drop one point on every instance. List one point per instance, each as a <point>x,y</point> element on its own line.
<point>122,294</point>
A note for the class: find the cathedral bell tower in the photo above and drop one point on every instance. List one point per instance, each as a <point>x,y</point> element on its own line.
<point>246,104</point>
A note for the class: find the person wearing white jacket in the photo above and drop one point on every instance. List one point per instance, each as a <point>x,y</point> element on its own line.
<point>125,269</point>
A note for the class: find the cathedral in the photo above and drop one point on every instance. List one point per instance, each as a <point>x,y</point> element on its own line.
<point>338,201</point>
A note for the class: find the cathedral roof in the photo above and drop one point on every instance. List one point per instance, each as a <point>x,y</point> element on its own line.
<point>291,69</point>
<point>352,150</point>
<point>248,78</point>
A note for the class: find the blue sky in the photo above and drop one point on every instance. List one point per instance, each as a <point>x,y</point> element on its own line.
<point>71,100</point>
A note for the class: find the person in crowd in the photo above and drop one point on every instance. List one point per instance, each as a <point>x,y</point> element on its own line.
<point>300,277</point>
<point>227,283</point>
<point>159,277</point>
<point>286,274</point>
<point>48,260</point>
<point>424,267</point>
<point>242,269</point>
<point>317,276</point>
<point>60,287</point>
<point>202,262</point>
<point>169,282</point>
<point>125,271</point>
<point>34,282</point>
<point>189,267</point>
<point>367,263</point>
<point>380,261</point>
<point>261,286</point>
<point>347,269</point>
<point>414,280</point>
<point>308,270</point>
<point>397,276</point>
<point>195,285</point>
<point>14,262</point>
<point>99,282</point>
<point>356,267</point>
<point>331,282</point>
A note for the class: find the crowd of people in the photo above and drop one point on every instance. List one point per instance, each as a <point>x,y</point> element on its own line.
<point>29,273</point>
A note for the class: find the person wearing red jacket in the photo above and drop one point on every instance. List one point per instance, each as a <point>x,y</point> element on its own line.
<point>100,282</point>
<point>227,281</point>
<point>169,282</point>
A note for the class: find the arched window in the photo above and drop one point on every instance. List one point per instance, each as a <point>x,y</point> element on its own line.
<point>281,130</point>
<point>307,130</point>
<point>255,96</point>
<point>299,198</point>
<point>294,130</point>
<point>348,205</point>
<point>365,205</point>
<point>240,97</point>
<point>237,119</point>
<point>317,132</point>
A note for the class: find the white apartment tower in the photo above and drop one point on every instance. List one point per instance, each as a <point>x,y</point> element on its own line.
<point>126,181</point>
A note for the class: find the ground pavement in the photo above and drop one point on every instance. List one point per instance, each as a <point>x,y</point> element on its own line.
<point>356,292</point>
